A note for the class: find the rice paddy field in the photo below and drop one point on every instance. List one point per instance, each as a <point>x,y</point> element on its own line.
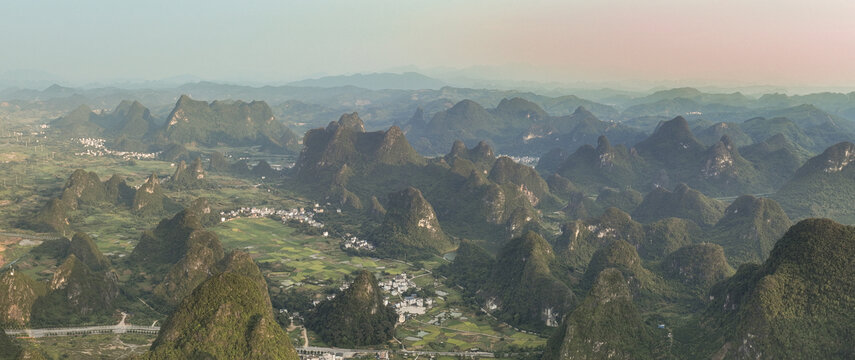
<point>317,263</point>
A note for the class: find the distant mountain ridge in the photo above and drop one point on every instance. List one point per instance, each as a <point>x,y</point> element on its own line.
<point>375,81</point>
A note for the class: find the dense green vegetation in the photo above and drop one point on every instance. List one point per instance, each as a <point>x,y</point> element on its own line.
<point>356,316</point>
<point>606,325</point>
<point>522,288</point>
<point>797,302</point>
<point>698,265</point>
<point>822,187</point>
<point>410,226</point>
<point>8,349</point>
<point>227,317</point>
<point>683,202</point>
<point>749,229</point>
<point>553,250</point>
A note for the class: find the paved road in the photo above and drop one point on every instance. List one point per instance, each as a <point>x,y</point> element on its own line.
<point>350,352</point>
<point>122,329</point>
<point>28,236</point>
<point>84,330</point>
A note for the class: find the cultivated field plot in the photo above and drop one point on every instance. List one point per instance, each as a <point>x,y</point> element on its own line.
<point>107,346</point>
<point>317,263</point>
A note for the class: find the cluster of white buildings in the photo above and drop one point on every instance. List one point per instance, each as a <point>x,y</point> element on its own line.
<point>525,160</point>
<point>299,214</point>
<point>398,284</point>
<point>353,242</point>
<point>412,305</point>
<point>407,306</point>
<point>95,147</point>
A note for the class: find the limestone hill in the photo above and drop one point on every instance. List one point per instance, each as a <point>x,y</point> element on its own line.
<point>683,202</point>
<point>699,265</point>
<point>181,252</point>
<point>356,316</point>
<point>823,186</point>
<point>410,225</point>
<point>234,123</point>
<point>228,316</point>
<point>749,229</point>
<point>796,304</point>
<point>522,289</point>
<point>18,292</point>
<point>606,325</point>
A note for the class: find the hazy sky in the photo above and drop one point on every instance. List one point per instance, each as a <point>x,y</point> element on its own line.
<point>779,42</point>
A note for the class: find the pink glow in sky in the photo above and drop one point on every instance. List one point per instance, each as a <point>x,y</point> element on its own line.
<point>732,41</point>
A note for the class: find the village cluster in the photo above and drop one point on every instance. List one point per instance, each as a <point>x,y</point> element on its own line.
<point>301,215</point>
<point>95,147</point>
<point>410,305</point>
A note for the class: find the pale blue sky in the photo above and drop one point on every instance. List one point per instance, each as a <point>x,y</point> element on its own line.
<point>760,41</point>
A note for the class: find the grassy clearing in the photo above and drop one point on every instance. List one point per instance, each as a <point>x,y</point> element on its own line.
<point>108,346</point>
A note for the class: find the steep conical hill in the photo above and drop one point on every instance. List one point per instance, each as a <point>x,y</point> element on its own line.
<point>149,197</point>
<point>81,189</point>
<point>227,317</point>
<point>551,161</point>
<point>749,229</point>
<point>188,177</point>
<point>218,162</point>
<point>264,170</point>
<point>560,186</point>
<point>823,186</point>
<point>202,251</point>
<point>621,255</point>
<point>86,251</point>
<point>76,292</point>
<point>606,325</point>
<point>777,158</point>
<point>167,243</point>
<point>667,235</point>
<point>481,156</point>
<point>797,304</point>
<point>181,251</point>
<point>377,211</point>
<point>725,171</point>
<point>626,199</point>
<point>79,122</point>
<point>130,119</point>
<point>505,170</point>
<point>605,165</point>
<point>683,202</point>
<point>522,289</point>
<point>697,265</point>
<point>579,240</point>
<point>356,316</point>
<point>410,224</point>
<point>711,135</point>
<point>672,144</point>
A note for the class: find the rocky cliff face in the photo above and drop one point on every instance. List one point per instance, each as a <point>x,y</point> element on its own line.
<point>18,292</point>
